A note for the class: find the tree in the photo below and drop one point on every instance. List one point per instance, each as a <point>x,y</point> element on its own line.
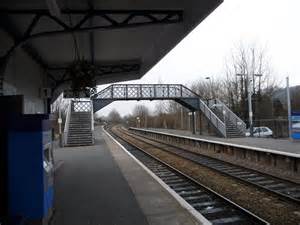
<point>114,116</point>
<point>252,65</point>
<point>211,89</point>
<point>142,112</point>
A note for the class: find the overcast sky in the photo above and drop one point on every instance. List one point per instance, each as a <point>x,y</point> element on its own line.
<point>272,24</point>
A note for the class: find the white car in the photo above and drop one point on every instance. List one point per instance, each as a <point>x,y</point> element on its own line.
<point>261,132</point>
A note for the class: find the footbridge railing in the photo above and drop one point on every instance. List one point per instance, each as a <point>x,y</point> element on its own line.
<point>230,115</point>
<point>176,92</point>
<point>144,91</point>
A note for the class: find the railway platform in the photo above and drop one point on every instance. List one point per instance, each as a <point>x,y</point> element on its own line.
<point>279,158</point>
<point>279,145</point>
<point>102,184</point>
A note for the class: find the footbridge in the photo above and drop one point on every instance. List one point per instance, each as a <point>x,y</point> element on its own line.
<point>226,123</point>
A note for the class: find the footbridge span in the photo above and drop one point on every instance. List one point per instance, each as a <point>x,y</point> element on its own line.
<point>226,123</point>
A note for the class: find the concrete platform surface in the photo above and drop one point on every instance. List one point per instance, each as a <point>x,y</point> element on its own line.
<point>102,185</point>
<point>283,145</point>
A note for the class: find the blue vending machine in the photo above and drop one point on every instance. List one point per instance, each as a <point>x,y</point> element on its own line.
<point>30,169</point>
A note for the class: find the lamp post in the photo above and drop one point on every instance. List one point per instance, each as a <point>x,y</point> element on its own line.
<point>248,86</point>
<point>289,105</point>
<point>210,87</point>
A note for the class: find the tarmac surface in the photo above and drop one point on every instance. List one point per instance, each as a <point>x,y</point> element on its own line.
<point>283,145</point>
<point>103,185</point>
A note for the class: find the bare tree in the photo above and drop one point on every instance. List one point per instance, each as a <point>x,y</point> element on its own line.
<point>114,116</point>
<point>142,112</point>
<point>251,64</point>
<point>209,89</point>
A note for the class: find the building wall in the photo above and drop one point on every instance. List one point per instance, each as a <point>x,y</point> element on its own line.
<point>23,76</point>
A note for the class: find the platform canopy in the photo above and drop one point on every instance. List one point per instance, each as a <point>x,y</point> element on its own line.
<point>123,38</point>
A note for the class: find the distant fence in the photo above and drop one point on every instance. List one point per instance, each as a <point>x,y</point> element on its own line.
<point>278,126</point>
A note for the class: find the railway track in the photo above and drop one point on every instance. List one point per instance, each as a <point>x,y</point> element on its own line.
<point>214,207</point>
<point>286,190</point>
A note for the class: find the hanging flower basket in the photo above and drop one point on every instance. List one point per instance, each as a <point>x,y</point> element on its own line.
<point>83,78</point>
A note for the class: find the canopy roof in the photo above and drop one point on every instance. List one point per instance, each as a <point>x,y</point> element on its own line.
<point>124,38</point>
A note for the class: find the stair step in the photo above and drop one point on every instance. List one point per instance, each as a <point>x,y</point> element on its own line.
<point>79,127</point>
<point>80,135</point>
<point>80,124</point>
<point>80,141</point>
<point>88,122</point>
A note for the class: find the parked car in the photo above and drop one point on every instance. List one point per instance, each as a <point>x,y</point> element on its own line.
<point>261,132</point>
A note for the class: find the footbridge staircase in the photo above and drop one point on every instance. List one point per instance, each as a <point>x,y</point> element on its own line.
<point>226,122</point>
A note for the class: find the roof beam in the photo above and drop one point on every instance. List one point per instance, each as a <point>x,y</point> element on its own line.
<point>15,35</point>
<point>100,69</point>
<point>111,19</point>
<point>114,19</point>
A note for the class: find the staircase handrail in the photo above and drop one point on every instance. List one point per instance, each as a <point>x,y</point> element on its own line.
<point>92,120</point>
<point>215,120</point>
<point>237,121</point>
<point>67,122</point>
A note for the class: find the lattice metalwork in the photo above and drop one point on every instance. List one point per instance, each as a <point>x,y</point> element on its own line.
<point>106,19</point>
<point>176,92</point>
<point>145,92</point>
<point>81,106</point>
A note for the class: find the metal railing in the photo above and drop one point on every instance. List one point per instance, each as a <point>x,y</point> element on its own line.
<point>67,123</point>
<point>81,105</point>
<point>92,122</point>
<point>160,92</point>
<point>61,107</point>
<point>144,91</point>
<point>230,115</point>
<point>213,118</point>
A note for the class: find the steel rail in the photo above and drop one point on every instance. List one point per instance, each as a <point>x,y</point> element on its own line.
<point>283,188</point>
<point>213,206</point>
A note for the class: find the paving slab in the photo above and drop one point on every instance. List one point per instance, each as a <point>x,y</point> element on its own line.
<point>91,190</point>
<point>102,185</point>
<point>156,202</point>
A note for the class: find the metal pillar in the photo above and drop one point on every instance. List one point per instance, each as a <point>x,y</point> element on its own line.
<point>181,117</point>
<point>289,105</point>
<point>250,106</point>
<point>193,123</point>
<point>200,123</point>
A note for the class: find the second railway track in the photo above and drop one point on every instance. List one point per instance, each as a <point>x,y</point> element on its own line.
<point>284,189</point>
<point>214,207</point>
